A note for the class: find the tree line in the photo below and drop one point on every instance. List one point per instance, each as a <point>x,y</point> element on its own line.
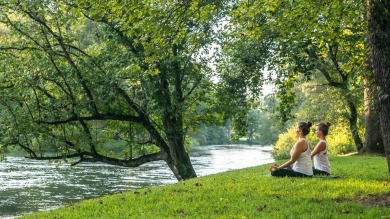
<point>154,72</point>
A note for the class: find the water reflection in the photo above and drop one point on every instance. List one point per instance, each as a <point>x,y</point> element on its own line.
<point>30,186</point>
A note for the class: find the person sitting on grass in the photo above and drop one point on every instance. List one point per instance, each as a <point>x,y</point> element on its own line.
<point>300,164</point>
<point>320,152</point>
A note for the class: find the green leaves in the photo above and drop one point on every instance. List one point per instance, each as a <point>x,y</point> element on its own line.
<point>304,38</point>
<point>81,62</point>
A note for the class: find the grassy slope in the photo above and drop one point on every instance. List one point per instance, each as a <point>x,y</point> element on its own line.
<point>249,193</point>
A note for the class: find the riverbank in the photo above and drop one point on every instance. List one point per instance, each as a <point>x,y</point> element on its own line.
<point>28,186</point>
<point>363,191</point>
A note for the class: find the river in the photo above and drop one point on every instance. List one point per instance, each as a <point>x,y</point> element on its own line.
<point>29,185</point>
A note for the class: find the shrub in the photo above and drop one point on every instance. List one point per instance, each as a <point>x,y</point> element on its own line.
<point>340,140</point>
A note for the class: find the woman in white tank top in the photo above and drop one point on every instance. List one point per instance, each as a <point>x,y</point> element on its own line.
<point>300,164</point>
<point>320,152</point>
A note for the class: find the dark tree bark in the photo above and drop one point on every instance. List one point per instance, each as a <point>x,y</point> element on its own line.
<point>379,40</point>
<point>353,125</point>
<point>373,135</point>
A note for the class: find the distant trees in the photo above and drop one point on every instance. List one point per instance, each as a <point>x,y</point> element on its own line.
<point>210,135</point>
<point>263,128</point>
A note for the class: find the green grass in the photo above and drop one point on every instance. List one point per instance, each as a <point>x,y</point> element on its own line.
<point>249,193</point>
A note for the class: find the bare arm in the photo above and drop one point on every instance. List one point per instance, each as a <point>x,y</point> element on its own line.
<point>318,148</point>
<point>299,147</point>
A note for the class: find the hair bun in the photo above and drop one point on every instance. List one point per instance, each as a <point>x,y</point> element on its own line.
<point>328,124</point>
<point>309,124</point>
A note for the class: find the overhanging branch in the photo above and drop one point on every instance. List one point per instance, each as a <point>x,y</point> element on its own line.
<point>125,163</point>
<point>118,117</point>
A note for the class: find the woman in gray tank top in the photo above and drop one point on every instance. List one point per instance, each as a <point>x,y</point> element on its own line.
<point>300,164</point>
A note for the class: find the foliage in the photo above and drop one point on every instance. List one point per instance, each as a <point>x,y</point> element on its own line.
<point>1,154</point>
<point>263,128</point>
<point>210,135</point>
<point>239,64</point>
<point>249,193</point>
<point>77,72</point>
<point>304,40</point>
<point>339,140</point>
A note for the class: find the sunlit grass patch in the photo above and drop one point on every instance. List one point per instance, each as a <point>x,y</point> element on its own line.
<point>250,193</point>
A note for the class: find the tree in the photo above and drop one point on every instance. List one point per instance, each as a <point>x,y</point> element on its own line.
<point>373,137</point>
<point>307,38</point>
<point>210,135</point>
<point>379,38</point>
<point>77,74</point>
<point>263,128</point>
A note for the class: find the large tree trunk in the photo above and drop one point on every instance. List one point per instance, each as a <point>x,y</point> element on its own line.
<point>373,135</point>
<point>175,154</point>
<point>180,164</point>
<point>178,158</point>
<point>379,39</point>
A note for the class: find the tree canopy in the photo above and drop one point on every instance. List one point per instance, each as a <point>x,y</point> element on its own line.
<point>141,75</point>
<point>323,42</point>
<point>77,73</point>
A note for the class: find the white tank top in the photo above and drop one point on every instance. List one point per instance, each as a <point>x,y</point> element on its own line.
<point>303,164</point>
<point>321,161</point>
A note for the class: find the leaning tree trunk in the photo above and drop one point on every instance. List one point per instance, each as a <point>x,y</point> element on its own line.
<point>178,158</point>
<point>379,39</point>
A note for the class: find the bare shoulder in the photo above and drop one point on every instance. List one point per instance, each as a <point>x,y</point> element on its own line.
<point>300,145</point>
<point>321,145</point>
<point>301,141</point>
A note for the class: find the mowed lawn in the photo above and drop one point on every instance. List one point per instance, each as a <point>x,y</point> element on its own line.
<point>362,191</point>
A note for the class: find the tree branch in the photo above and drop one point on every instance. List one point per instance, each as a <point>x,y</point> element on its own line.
<point>68,58</point>
<point>118,117</point>
<point>125,163</point>
<point>333,56</point>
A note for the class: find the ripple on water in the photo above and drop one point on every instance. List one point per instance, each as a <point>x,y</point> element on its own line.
<point>30,185</point>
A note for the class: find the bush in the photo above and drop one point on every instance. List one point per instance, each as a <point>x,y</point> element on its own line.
<point>340,140</point>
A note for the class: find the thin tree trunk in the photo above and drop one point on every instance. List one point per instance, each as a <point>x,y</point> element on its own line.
<point>353,125</point>
<point>342,86</point>
<point>379,39</point>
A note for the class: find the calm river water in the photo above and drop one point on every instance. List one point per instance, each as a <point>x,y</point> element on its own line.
<point>29,186</point>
